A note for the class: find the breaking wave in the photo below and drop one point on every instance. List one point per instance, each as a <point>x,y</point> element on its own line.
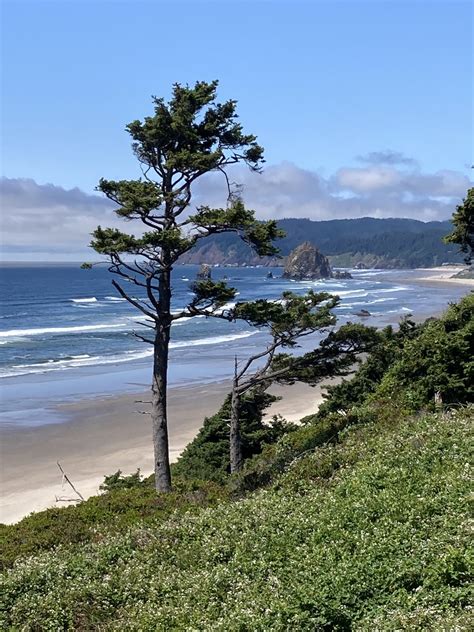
<point>84,360</point>
<point>92,299</point>
<point>39,331</point>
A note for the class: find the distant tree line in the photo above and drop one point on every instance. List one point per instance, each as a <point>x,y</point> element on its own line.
<point>403,243</point>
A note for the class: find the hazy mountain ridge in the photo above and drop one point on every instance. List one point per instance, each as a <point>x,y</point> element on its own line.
<point>388,243</point>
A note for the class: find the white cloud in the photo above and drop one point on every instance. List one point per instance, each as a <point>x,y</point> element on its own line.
<point>387,157</point>
<point>286,190</point>
<point>366,180</point>
<point>44,218</point>
<point>49,222</point>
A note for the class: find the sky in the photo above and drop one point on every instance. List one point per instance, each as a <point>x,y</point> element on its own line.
<point>364,108</point>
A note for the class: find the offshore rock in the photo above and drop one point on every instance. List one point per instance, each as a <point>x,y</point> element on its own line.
<point>306,262</point>
<point>363,313</point>
<point>342,274</point>
<point>204,272</point>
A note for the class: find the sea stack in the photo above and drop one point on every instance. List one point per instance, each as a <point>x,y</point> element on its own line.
<point>306,262</point>
<point>204,272</point>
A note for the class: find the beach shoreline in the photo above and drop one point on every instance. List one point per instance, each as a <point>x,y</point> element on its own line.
<point>102,434</point>
<point>441,275</point>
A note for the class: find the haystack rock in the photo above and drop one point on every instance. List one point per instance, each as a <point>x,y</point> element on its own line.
<point>306,262</point>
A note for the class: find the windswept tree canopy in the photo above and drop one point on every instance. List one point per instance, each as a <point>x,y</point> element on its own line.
<point>463,233</point>
<point>184,139</point>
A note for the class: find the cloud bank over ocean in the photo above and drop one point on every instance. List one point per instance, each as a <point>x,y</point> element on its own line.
<point>45,221</point>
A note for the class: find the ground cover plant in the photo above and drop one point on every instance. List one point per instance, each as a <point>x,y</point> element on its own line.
<point>371,533</point>
<point>126,501</point>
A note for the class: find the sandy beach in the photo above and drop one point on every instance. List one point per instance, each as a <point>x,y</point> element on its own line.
<point>103,435</point>
<point>442,274</point>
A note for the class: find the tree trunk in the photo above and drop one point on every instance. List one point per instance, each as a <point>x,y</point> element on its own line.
<point>159,414</point>
<point>235,440</point>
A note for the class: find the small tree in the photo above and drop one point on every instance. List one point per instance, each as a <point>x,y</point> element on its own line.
<point>463,233</point>
<point>287,321</point>
<point>183,140</point>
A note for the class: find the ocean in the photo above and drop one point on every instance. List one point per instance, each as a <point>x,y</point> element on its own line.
<point>66,334</point>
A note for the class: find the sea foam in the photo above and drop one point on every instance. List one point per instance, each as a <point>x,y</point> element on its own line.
<point>57,330</point>
<point>85,360</point>
<point>92,299</point>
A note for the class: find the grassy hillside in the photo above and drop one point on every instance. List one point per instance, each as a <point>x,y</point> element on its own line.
<point>370,534</point>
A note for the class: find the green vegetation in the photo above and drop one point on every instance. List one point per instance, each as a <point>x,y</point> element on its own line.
<point>127,502</point>
<point>207,456</point>
<point>356,520</point>
<point>463,233</point>
<point>400,377</point>
<point>342,397</point>
<point>185,139</point>
<point>439,360</point>
<point>368,534</point>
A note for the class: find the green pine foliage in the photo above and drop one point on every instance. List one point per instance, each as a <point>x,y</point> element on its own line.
<point>439,360</point>
<point>343,397</point>
<point>207,456</point>
<point>463,233</point>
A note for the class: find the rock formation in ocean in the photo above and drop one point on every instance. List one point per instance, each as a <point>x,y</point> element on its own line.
<point>204,272</point>
<point>306,262</point>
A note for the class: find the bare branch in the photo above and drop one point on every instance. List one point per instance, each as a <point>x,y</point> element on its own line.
<point>142,338</point>
<point>140,322</point>
<point>269,350</point>
<point>134,302</point>
<point>149,291</point>
<point>66,478</point>
<point>256,379</point>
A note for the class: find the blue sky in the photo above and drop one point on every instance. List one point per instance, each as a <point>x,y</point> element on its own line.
<point>320,83</point>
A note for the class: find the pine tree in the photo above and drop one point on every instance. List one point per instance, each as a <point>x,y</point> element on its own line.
<point>184,139</point>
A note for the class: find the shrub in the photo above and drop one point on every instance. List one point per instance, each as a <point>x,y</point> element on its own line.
<point>207,456</point>
<point>118,481</point>
<point>439,360</point>
<point>264,468</point>
<point>107,513</point>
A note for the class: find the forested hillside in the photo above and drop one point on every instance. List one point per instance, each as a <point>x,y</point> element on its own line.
<point>389,243</point>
